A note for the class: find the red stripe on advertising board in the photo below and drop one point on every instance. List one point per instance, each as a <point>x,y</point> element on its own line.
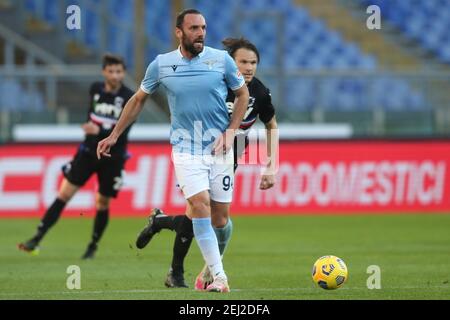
<point>349,177</point>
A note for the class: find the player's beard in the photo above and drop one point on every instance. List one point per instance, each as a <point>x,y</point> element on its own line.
<point>191,46</point>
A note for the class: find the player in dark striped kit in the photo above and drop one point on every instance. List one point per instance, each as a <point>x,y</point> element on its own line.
<point>107,99</point>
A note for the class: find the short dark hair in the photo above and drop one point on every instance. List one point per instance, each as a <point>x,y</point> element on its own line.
<point>111,59</point>
<point>182,14</point>
<point>234,44</point>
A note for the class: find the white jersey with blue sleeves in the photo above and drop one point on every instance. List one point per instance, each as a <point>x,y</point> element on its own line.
<point>196,90</point>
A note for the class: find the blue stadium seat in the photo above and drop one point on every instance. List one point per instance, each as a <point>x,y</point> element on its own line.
<point>327,91</point>
<point>122,10</point>
<point>401,96</point>
<point>31,5</point>
<point>30,101</point>
<point>366,63</point>
<point>279,5</point>
<point>10,92</point>
<point>416,102</point>
<point>299,94</point>
<point>92,23</point>
<point>13,97</point>
<point>46,10</point>
<point>431,42</point>
<point>158,20</point>
<point>444,53</point>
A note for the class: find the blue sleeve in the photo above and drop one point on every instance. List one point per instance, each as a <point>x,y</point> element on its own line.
<point>151,79</point>
<point>233,77</point>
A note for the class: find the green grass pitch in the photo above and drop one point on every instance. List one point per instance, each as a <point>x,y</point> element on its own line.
<point>268,258</point>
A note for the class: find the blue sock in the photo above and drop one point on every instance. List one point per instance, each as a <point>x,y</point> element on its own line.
<point>224,235</point>
<point>207,242</point>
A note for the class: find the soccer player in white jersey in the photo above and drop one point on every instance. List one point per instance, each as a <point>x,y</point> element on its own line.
<point>196,79</point>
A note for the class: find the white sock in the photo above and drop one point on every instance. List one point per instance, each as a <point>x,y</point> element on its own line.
<point>207,241</point>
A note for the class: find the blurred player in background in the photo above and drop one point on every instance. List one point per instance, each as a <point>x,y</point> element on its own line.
<point>107,100</point>
<point>196,79</point>
<point>246,56</point>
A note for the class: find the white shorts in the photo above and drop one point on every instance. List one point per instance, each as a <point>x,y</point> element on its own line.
<point>197,173</point>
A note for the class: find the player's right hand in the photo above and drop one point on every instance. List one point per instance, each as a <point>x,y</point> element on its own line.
<point>224,142</point>
<point>104,147</point>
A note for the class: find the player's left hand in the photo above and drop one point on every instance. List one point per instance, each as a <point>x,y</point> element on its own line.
<point>267,181</point>
<point>104,147</point>
<point>224,142</point>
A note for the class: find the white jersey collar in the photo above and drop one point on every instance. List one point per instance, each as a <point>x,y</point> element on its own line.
<point>201,54</point>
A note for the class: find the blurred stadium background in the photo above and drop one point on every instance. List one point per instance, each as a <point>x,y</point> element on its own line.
<point>321,62</point>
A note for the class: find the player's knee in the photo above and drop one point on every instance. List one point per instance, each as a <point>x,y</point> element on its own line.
<point>102,203</point>
<point>200,205</point>
<point>186,229</point>
<point>219,214</point>
<point>65,195</point>
<point>67,191</point>
<point>219,221</point>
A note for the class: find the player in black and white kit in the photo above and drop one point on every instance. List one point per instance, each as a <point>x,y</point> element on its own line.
<point>107,99</point>
<point>260,105</point>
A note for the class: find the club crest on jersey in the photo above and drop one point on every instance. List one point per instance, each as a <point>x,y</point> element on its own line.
<point>96,97</point>
<point>210,63</point>
<point>251,101</point>
<point>118,102</point>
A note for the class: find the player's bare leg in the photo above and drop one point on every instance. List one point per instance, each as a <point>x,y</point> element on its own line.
<point>66,191</point>
<point>100,222</point>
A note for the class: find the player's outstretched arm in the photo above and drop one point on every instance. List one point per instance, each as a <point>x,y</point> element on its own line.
<point>224,142</point>
<point>127,117</point>
<point>268,177</point>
